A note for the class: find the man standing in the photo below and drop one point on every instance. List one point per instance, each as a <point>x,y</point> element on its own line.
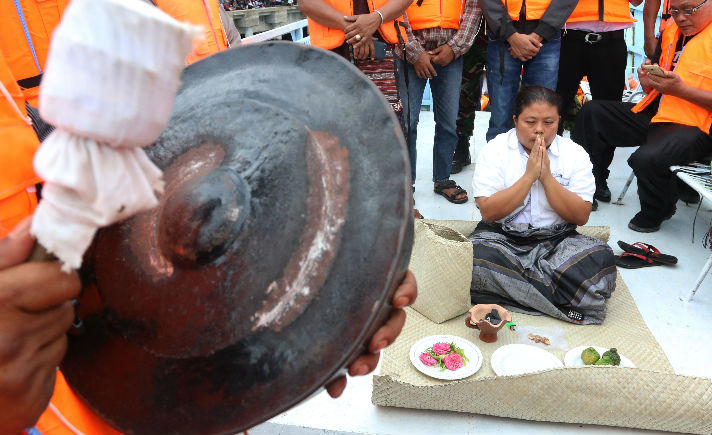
<point>440,32</point>
<point>473,69</point>
<point>594,46</point>
<point>524,41</point>
<point>671,124</point>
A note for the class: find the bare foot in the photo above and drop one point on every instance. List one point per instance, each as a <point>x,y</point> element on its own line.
<point>417,214</point>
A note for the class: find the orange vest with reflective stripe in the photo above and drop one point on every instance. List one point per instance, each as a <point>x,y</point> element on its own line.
<point>67,415</point>
<point>614,11</point>
<point>18,143</point>
<point>664,22</point>
<point>535,8</point>
<point>328,38</point>
<point>41,17</point>
<point>204,13</point>
<point>435,13</point>
<point>694,68</point>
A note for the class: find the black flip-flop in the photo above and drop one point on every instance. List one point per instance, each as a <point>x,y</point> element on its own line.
<point>629,260</point>
<point>648,251</point>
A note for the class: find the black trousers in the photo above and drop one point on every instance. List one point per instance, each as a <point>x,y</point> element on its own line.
<point>601,126</point>
<point>603,62</point>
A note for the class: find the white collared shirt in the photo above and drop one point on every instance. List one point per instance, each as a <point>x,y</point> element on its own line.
<point>503,161</point>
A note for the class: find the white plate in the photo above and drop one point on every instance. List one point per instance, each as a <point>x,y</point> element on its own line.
<point>517,359</point>
<point>573,357</point>
<point>472,353</point>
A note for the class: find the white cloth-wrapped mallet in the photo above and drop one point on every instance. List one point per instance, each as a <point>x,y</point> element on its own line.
<point>112,73</point>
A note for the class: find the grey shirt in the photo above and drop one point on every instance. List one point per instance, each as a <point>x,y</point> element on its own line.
<point>501,23</point>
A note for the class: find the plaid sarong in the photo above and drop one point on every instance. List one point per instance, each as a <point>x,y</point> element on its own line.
<point>382,72</point>
<point>552,270</point>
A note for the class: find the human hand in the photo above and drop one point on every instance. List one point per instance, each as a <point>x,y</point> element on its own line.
<point>35,314</point>
<point>545,172</point>
<point>644,77</point>
<point>523,47</point>
<point>442,55</point>
<point>533,169</point>
<point>360,26</point>
<point>423,68</point>
<point>670,84</point>
<point>649,44</point>
<point>365,50</point>
<point>386,334</point>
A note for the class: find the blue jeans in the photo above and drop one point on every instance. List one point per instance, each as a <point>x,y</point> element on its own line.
<point>446,101</point>
<point>542,70</point>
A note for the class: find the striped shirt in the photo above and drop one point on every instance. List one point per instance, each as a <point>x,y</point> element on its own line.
<point>459,40</point>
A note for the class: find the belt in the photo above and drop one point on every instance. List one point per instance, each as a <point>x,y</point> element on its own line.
<point>595,37</point>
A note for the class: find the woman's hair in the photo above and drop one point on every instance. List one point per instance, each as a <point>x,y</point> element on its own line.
<point>535,94</point>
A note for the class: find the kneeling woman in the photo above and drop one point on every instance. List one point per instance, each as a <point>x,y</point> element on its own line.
<point>533,188</point>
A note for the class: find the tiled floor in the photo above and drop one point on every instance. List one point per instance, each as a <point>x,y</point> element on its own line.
<point>682,328</point>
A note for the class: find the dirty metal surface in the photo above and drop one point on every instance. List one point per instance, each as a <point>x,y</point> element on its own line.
<point>284,228</point>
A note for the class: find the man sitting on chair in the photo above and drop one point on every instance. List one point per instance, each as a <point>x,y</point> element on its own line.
<point>671,124</point>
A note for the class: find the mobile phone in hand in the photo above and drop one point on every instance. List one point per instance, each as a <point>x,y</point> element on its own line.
<point>654,70</point>
<point>379,49</point>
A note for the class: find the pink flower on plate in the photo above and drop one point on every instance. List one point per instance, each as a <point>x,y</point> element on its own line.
<point>453,361</point>
<point>441,348</point>
<point>428,360</point>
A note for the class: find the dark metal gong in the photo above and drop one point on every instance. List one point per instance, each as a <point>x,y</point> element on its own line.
<point>285,226</point>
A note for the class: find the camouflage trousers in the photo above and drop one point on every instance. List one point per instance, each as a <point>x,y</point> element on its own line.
<point>474,62</point>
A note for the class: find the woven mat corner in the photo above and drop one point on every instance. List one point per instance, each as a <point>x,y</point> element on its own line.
<point>650,396</point>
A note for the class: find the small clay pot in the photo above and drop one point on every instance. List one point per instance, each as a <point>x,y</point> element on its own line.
<point>483,317</point>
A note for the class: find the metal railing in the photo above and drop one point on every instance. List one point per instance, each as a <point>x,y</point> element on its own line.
<point>295,30</point>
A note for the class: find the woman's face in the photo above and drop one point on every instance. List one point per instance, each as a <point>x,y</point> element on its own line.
<point>538,118</point>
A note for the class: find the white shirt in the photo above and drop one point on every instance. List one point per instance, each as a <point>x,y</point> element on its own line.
<point>503,161</point>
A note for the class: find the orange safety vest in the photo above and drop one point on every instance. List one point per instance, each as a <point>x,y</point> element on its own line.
<point>67,415</point>
<point>613,11</point>
<point>665,19</point>
<point>435,13</point>
<point>694,69</point>
<point>328,38</point>
<point>535,8</point>
<point>18,143</point>
<point>204,13</point>
<point>25,36</point>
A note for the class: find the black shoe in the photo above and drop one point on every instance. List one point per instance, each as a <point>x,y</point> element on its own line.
<point>462,154</point>
<point>645,224</point>
<point>689,198</point>
<point>458,165</point>
<point>594,205</point>
<point>602,192</point>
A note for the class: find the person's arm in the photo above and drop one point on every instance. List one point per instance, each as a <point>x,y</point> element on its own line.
<point>503,203</point>
<point>366,363</point>
<point>323,13</point>
<point>462,40</point>
<point>412,49</point>
<point>367,24</point>
<point>554,18</point>
<point>571,207</point>
<point>650,15</point>
<point>35,314</point>
<point>671,84</point>
<point>498,18</point>
<point>231,32</point>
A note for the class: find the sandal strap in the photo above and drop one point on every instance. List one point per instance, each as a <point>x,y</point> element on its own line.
<point>447,184</point>
<point>645,258</point>
<point>648,248</point>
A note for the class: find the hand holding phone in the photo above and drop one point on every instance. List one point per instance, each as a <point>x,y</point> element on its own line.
<point>654,70</point>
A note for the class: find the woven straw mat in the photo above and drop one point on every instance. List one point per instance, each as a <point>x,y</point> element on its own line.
<point>650,396</point>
